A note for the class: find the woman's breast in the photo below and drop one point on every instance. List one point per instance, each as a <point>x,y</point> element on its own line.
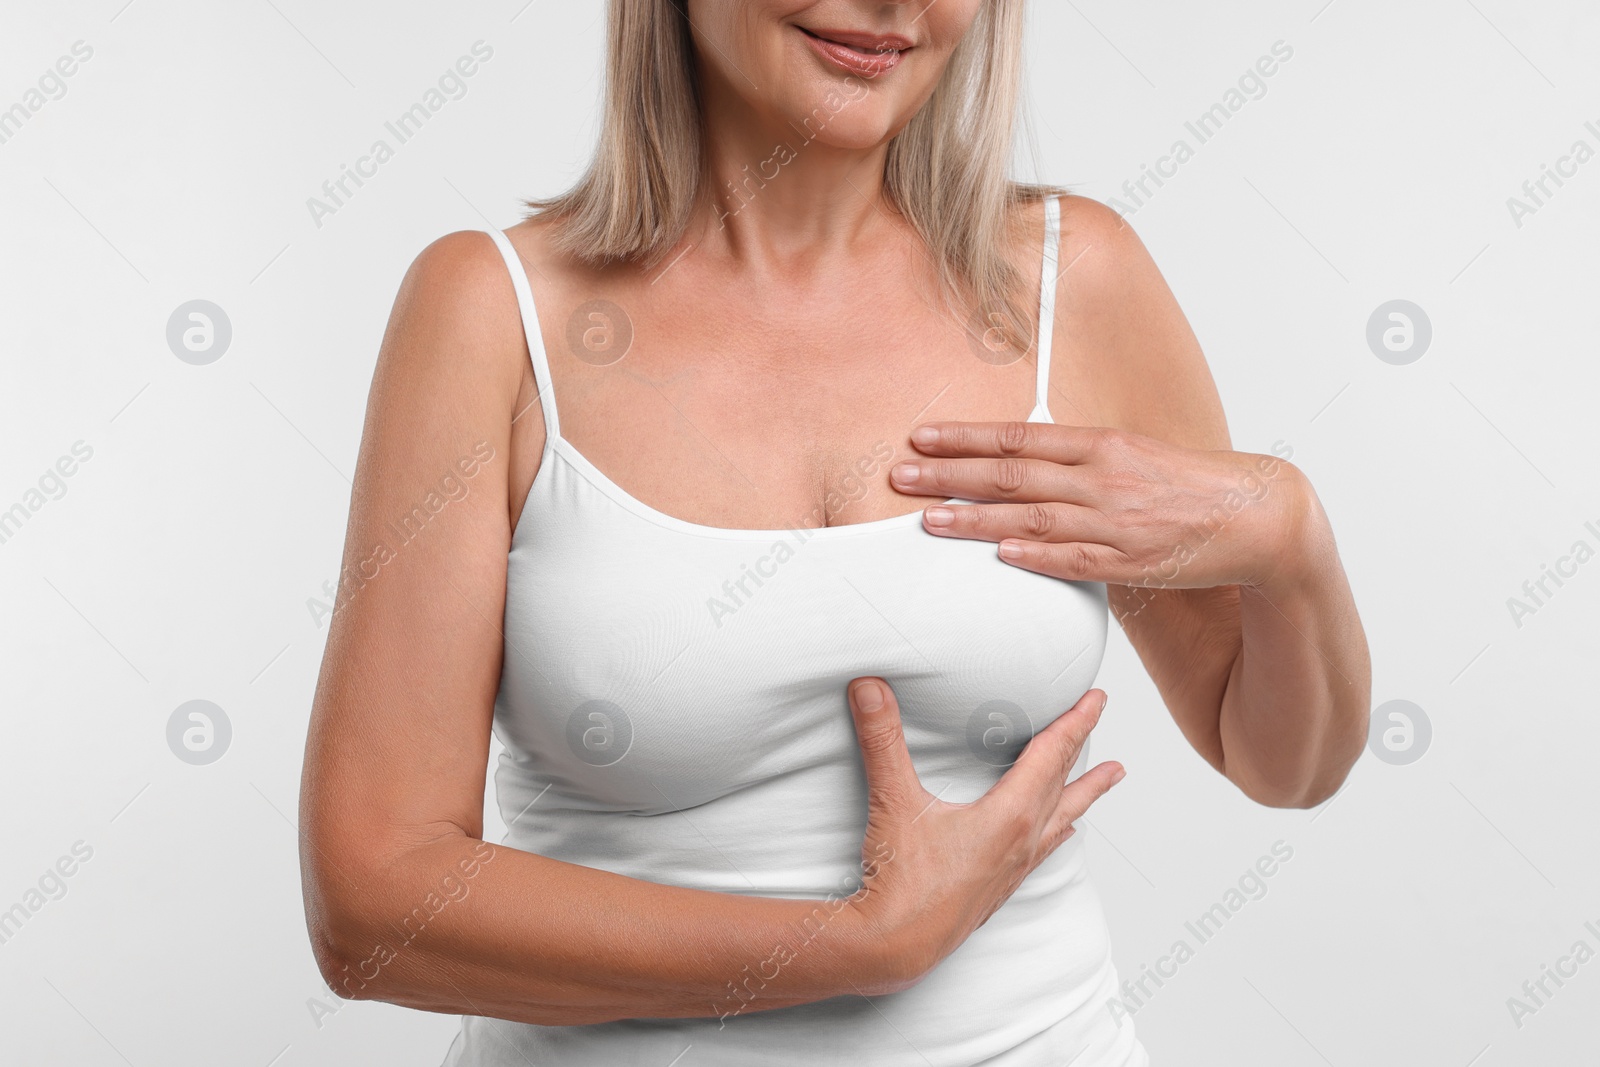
<point>676,701</point>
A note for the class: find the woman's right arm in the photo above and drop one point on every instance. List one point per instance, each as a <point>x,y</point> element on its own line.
<point>404,901</point>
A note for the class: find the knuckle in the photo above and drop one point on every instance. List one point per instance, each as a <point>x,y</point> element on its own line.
<point>1079,729</point>
<point>1010,475</point>
<point>1067,755</point>
<point>1029,830</point>
<point>1121,481</point>
<point>1074,805</point>
<point>1018,823</point>
<point>1142,516</point>
<point>882,740</point>
<point>1038,521</point>
<point>1014,438</point>
<point>1074,559</point>
<point>883,799</point>
<point>1084,791</point>
<point>1106,440</point>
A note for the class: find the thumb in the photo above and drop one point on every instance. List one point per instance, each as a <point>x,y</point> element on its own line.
<point>892,780</point>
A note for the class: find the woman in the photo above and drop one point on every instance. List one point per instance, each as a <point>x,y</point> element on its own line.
<point>764,710</point>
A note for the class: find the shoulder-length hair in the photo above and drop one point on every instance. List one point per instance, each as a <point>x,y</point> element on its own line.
<point>947,171</point>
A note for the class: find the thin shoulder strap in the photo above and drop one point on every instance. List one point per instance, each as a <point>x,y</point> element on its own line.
<point>1047,296</point>
<point>530,329</point>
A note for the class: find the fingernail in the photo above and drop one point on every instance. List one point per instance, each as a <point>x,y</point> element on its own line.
<point>938,515</point>
<point>924,435</point>
<point>905,472</point>
<point>1119,776</point>
<point>869,696</point>
<point>1010,550</point>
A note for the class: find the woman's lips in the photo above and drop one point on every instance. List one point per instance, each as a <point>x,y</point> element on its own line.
<point>866,54</point>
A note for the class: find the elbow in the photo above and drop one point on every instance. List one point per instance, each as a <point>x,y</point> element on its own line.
<point>332,961</point>
<point>348,970</point>
<point>1300,785</point>
<point>1289,795</point>
<point>349,951</point>
<point>1306,778</point>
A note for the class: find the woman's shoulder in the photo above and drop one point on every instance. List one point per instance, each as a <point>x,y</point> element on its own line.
<point>1123,347</point>
<point>464,264</point>
<point>1106,277</point>
<point>455,271</point>
<point>1085,225</point>
<point>455,323</point>
<point>468,279</point>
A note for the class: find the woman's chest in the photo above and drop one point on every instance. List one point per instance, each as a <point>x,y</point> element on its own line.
<point>767,423</point>
<point>644,663</point>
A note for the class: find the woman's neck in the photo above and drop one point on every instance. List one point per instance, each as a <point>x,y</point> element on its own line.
<point>777,190</point>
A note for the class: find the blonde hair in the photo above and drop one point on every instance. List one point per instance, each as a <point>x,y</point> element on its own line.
<point>947,172</point>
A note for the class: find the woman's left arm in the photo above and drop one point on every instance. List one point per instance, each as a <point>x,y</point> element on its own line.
<point>1221,565</point>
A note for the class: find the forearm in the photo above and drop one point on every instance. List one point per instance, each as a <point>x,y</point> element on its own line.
<point>1294,711</point>
<point>531,939</point>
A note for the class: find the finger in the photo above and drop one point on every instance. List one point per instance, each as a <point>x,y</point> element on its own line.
<point>1039,440</point>
<point>1074,561</point>
<point>1050,522</point>
<point>892,782</point>
<point>1077,798</point>
<point>1043,766</point>
<point>1010,480</point>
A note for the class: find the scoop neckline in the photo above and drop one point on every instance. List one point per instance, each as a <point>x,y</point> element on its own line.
<point>559,445</point>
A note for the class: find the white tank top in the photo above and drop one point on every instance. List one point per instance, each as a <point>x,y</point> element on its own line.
<point>673,709</point>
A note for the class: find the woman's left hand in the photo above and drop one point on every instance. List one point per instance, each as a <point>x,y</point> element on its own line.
<point>1104,505</point>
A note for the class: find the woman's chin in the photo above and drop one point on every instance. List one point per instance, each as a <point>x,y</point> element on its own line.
<point>854,133</point>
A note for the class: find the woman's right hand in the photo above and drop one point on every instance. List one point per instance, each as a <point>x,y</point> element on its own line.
<point>934,871</point>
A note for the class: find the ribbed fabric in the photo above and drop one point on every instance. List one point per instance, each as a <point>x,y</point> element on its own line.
<point>673,709</point>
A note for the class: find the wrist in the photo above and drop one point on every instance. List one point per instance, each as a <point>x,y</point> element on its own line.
<point>890,955</point>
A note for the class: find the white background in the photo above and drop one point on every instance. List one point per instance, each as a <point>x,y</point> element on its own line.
<point>179,562</point>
